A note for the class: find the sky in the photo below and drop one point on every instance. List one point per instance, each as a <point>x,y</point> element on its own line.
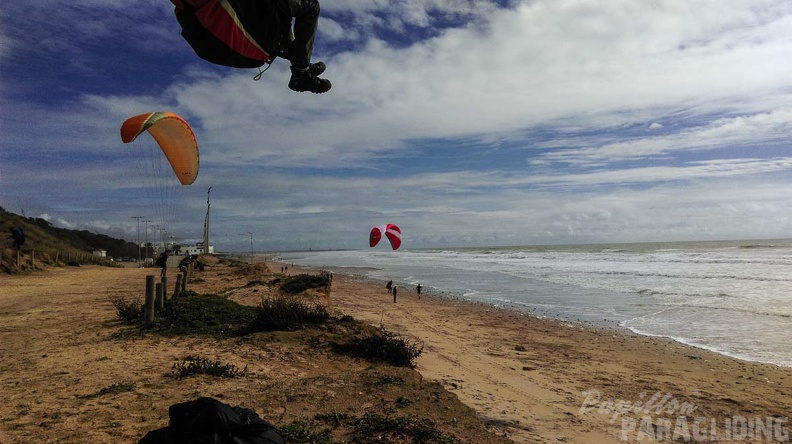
<point>468,123</point>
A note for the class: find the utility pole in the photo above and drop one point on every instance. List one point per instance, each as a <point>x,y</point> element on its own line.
<point>162,233</point>
<point>145,244</point>
<point>206,224</point>
<point>251,242</point>
<point>137,240</point>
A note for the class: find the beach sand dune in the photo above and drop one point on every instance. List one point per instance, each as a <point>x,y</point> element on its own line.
<point>532,380</point>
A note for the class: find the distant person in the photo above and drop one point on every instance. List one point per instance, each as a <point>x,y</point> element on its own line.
<point>162,261</point>
<point>388,286</point>
<point>18,235</point>
<point>184,264</point>
<point>394,294</point>
<point>418,290</point>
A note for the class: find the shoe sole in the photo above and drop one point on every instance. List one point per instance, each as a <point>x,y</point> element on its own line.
<point>308,90</point>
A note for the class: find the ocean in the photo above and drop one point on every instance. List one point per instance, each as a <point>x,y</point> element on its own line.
<point>731,297</point>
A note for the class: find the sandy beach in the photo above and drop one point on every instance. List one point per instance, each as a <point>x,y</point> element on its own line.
<point>548,381</point>
<point>526,379</point>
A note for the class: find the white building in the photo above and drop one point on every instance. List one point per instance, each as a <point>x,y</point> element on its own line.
<point>195,249</point>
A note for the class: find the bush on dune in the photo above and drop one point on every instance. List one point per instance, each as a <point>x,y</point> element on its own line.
<point>203,314</point>
<point>286,313</point>
<point>383,346</point>
<point>303,282</point>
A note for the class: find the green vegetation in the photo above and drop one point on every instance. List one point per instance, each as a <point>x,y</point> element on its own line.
<point>300,432</point>
<point>367,429</point>
<point>286,314</point>
<point>418,430</point>
<point>130,312</point>
<point>210,314</point>
<point>205,314</point>
<point>383,346</point>
<point>114,389</point>
<point>303,282</point>
<point>54,246</point>
<point>43,236</point>
<point>195,365</point>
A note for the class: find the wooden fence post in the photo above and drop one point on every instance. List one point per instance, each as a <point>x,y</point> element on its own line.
<point>184,282</point>
<point>177,287</point>
<point>164,281</point>
<point>148,313</point>
<point>159,298</point>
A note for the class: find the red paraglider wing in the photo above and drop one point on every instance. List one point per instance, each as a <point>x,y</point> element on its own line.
<point>375,236</point>
<point>393,233</point>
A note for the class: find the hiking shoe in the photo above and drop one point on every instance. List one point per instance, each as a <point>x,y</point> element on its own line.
<point>305,81</point>
<point>316,68</point>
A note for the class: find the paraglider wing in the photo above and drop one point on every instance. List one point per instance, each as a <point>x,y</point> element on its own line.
<point>173,135</point>
<point>240,34</point>
<point>375,236</point>
<point>391,231</point>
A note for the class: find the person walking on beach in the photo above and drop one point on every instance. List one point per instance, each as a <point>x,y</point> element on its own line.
<point>418,290</point>
<point>388,286</point>
<point>394,294</point>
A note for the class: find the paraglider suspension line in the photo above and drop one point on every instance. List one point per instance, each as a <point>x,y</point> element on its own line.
<point>262,71</point>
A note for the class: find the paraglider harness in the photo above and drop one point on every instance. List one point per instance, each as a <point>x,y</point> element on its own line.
<point>214,34</point>
<point>286,43</point>
<point>209,421</point>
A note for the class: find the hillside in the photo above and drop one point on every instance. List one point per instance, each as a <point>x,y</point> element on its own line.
<point>52,246</point>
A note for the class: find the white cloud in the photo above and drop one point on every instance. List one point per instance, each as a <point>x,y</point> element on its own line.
<point>568,88</point>
<point>740,131</point>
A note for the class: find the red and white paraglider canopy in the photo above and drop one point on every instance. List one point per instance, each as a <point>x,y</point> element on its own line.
<point>391,231</point>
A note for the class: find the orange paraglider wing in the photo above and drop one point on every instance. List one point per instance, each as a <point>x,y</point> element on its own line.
<point>173,135</point>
